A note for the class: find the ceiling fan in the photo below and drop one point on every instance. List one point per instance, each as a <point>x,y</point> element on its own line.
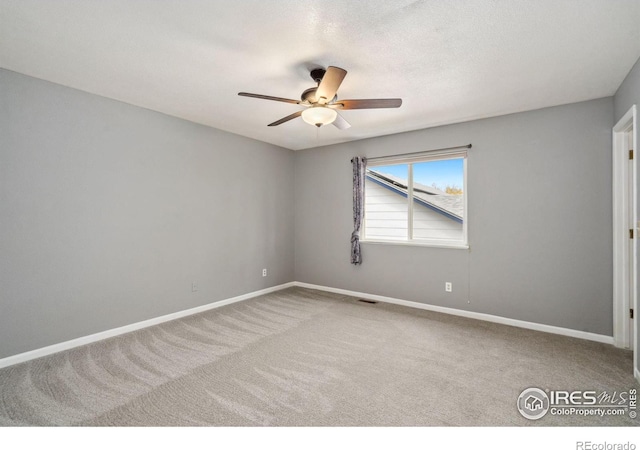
<point>321,102</point>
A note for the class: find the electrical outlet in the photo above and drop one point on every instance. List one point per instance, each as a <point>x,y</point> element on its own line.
<point>448,287</point>
<point>194,287</point>
<point>264,272</point>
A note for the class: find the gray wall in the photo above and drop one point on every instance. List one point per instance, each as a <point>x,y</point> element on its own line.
<point>108,212</point>
<point>629,94</point>
<point>539,187</point>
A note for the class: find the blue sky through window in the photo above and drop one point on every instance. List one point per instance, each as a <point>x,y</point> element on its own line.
<point>448,172</point>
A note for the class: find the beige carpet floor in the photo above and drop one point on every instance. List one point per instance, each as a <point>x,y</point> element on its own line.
<point>300,357</point>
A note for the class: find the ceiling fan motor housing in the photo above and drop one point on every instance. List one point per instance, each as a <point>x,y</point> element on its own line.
<point>309,95</point>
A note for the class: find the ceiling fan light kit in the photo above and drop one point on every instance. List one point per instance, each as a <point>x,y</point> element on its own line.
<point>322,101</point>
<point>319,115</point>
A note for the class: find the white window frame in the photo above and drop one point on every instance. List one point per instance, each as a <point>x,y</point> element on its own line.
<point>414,159</point>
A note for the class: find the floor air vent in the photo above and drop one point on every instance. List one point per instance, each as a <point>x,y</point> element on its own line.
<point>367,301</point>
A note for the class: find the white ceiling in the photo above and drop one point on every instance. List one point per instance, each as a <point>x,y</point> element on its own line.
<point>450,61</point>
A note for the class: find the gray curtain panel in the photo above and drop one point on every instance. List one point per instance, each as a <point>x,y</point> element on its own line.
<point>359,167</point>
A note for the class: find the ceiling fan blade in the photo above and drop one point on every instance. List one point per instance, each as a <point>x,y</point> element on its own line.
<point>340,123</point>
<point>268,97</point>
<point>369,103</point>
<point>330,83</point>
<point>286,119</point>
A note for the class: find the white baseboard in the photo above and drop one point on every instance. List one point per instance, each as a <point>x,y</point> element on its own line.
<point>44,351</point>
<point>38,353</point>
<point>470,314</point>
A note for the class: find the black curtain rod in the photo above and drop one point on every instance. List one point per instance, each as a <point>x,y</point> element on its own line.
<point>419,153</point>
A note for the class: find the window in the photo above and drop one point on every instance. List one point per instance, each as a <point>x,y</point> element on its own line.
<point>419,199</point>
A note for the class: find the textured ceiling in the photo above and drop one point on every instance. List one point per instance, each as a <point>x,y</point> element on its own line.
<point>449,61</point>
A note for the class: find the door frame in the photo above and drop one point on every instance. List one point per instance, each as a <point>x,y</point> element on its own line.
<point>624,255</point>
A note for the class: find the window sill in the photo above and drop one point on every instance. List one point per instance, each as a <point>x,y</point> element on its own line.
<point>455,246</point>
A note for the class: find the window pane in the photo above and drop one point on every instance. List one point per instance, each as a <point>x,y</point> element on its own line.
<point>438,199</point>
<point>386,206</point>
